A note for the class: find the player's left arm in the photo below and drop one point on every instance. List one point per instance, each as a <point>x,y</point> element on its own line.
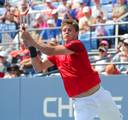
<point>43,47</point>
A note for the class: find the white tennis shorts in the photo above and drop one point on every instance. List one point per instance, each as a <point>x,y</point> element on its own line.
<point>99,104</point>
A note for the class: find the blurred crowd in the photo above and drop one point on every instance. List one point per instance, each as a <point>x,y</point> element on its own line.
<point>96,18</point>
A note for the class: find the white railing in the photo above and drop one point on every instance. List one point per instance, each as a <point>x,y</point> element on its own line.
<point>116,36</point>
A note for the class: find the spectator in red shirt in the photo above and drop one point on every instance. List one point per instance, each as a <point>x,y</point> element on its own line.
<point>3,63</point>
<point>40,21</point>
<point>81,82</point>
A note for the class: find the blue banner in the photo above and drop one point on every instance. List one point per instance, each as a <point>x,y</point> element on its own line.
<point>44,98</point>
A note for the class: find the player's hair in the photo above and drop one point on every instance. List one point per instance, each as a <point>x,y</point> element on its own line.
<point>70,22</point>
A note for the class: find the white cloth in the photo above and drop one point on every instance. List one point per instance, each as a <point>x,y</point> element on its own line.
<point>99,104</point>
<point>96,11</point>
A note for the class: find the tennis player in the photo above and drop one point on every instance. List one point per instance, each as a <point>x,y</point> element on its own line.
<point>81,82</point>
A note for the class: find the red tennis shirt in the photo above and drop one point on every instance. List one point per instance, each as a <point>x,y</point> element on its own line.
<point>75,69</point>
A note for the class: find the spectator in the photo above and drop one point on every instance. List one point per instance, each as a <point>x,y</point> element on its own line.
<point>49,5</point>
<point>119,9</point>
<point>23,9</point>
<point>3,63</point>
<point>122,56</point>
<point>51,33</point>
<point>9,20</point>
<point>22,57</point>
<point>96,9</point>
<point>86,21</point>
<point>48,8</point>
<point>100,31</point>
<point>72,11</point>
<point>62,8</point>
<point>120,43</point>
<point>40,21</point>
<point>79,10</point>
<point>7,7</point>
<point>13,71</point>
<point>15,14</point>
<point>56,17</point>
<point>103,57</point>
<point>114,2</point>
<point>104,43</point>
<point>99,17</point>
<point>67,15</point>
<point>10,15</point>
<point>103,30</point>
<point>111,70</point>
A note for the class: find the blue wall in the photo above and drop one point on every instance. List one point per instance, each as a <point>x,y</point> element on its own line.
<point>44,98</point>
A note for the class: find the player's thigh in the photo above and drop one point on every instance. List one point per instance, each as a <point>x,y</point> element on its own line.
<point>108,108</point>
<point>85,109</point>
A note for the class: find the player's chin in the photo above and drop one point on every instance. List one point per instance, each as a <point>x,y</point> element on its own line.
<point>67,37</point>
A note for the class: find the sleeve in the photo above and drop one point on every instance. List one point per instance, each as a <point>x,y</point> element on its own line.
<point>44,35</point>
<point>116,58</point>
<point>52,59</point>
<point>75,46</point>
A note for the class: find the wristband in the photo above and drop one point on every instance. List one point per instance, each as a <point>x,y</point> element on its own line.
<point>33,52</point>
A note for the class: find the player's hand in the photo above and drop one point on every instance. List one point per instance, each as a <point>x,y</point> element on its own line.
<point>30,39</point>
<point>27,39</point>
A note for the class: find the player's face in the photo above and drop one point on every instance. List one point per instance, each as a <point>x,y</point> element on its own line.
<point>69,33</point>
<point>126,46</point>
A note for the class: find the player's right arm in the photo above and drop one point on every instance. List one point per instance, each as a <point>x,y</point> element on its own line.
<point>40,65</point>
